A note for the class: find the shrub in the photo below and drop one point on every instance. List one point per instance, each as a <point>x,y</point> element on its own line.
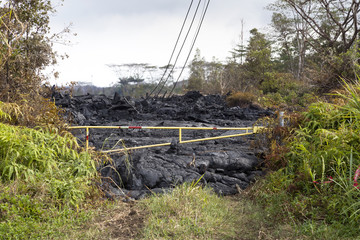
<point>282,90</point>
<point>278,82</point>
<point>242,99</point>
<point>33,112</point>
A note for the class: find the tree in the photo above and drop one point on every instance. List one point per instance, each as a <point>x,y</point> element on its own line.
<point>25,45</point>
<point>131,74</point>
<point>335,23</point>
<point>215,81</point>
<point>285,42</point>
<point>290,42</point>
<point>239,51</point>
<point>197,73</point>
<point>325,34</point>
<point>258,57</point>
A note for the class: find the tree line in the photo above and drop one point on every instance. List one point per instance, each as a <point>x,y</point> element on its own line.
<point>311,45</point>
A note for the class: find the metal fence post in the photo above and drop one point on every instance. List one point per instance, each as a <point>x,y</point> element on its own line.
<point>87,139</point>
<point>180,139</point>
<point>281,119</point>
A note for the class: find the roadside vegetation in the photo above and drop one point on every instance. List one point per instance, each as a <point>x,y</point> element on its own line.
<point>45,179</point>
<point>313,178</point>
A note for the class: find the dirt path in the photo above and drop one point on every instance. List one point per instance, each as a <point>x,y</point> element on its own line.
<point>126,221</point>
<point>121,221</point>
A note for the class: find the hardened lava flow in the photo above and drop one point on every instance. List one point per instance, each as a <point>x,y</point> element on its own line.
<point>226,165</point>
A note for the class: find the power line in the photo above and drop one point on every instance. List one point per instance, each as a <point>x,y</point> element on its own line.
<point>192,46</point>
<point>182,46</point>
<point>172,54</point>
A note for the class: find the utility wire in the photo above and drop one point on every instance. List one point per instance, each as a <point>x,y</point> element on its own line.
<point>172,54</point>
<point>192,46</point>
<point>182,46</point>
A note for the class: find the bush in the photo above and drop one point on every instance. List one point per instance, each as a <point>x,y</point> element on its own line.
<point>278,82</point>
<point>242,99</point>
<point>282,90</point>
<point>33,112</point>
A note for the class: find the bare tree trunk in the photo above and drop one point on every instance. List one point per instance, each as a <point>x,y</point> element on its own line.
<point>301,28</point>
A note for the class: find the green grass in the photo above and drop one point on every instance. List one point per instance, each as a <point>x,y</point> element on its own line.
<point>189,212</point>
<point>25,217</point>
<point>195,212</point>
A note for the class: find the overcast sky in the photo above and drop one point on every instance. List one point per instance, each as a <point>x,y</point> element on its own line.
<point>145,31</point>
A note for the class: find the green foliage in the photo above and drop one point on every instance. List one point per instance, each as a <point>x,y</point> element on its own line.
<point>37,155</point>
<point>278,82</point>
<point>27,214</point>
<point>197,73</point>
<point>281,89</point>
<point>317,181</point>
<point>258,57</point>
<point>45,179</point>
<point>189,212</point>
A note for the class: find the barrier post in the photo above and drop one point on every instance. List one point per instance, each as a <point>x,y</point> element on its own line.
<point>87,139</point>
<point>247,130</point>
<point>180,131</point>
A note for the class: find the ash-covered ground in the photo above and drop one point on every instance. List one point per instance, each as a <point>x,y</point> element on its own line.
<point>227,165</point>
